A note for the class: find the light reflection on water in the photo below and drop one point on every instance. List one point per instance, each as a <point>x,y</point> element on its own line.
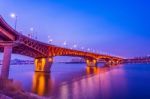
<point>76,81</point>
<point>42,84</point>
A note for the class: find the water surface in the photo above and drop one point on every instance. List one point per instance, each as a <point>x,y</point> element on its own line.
<point>76,81</point>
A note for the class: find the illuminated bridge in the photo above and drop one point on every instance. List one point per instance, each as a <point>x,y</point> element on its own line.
<point>12,41</point>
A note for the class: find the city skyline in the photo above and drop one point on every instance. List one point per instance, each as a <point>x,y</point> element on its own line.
<point>100,26</point>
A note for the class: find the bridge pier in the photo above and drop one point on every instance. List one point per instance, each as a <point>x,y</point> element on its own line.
<point>6,60</point>
<point>91,62</point>
<point>43,64</point>
<point>113,62</point>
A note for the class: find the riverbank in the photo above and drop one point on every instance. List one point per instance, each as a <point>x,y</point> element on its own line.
<point>10,90</point>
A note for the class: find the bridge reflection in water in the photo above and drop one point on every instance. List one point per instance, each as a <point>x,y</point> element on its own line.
<point>42,83</point>
<point>80,84</point>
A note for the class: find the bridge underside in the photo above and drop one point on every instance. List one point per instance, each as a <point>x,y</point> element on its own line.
<point>42,63</point>
<point>23,50</point>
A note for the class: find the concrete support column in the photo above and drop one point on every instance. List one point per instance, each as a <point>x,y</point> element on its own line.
<point>110,62</point>
<point>6,61</point>
<point>113,62</point>
<point>43,64</point>
<point>91,62</point>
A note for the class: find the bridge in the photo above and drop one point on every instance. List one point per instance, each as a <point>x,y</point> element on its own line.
<point>12,41</point>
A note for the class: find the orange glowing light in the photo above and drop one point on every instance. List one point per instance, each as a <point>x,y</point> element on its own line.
<point>50,59</point>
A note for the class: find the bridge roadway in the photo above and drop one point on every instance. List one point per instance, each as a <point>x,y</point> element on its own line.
<point>12,41</point>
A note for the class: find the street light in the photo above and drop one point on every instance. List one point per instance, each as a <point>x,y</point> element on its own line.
<point>82,48</point>
<point>50,40</point>
<point>65,43</point>
<point>36,35</point>
<point>32,29</point>
<point>14,16</point>
<point>88,49</point>
<point>75,46</point>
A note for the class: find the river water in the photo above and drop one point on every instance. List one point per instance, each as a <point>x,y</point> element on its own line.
<point>76,81</point>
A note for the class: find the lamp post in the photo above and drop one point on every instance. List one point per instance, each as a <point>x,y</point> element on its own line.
<point>82,48</point>
<point>75,46</point>
<point>88,49</point>
<point>14,16</point>
<point>65,43</point>
<point>36,35</point>
<point>31,32</point>
<point>50,41</point>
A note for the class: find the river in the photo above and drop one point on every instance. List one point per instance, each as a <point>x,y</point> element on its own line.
<point>76,81</point>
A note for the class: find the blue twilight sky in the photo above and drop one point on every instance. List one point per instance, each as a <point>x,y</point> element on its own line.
<point>120,27</point>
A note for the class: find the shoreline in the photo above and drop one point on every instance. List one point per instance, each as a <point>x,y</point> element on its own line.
<point>10,90</point>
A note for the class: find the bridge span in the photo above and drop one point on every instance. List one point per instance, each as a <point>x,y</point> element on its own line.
<point>12,41</point>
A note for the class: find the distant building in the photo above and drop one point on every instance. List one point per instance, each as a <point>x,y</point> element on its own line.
<point>77,60</point>
<point>144,59</point>
<point>18,61</point>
